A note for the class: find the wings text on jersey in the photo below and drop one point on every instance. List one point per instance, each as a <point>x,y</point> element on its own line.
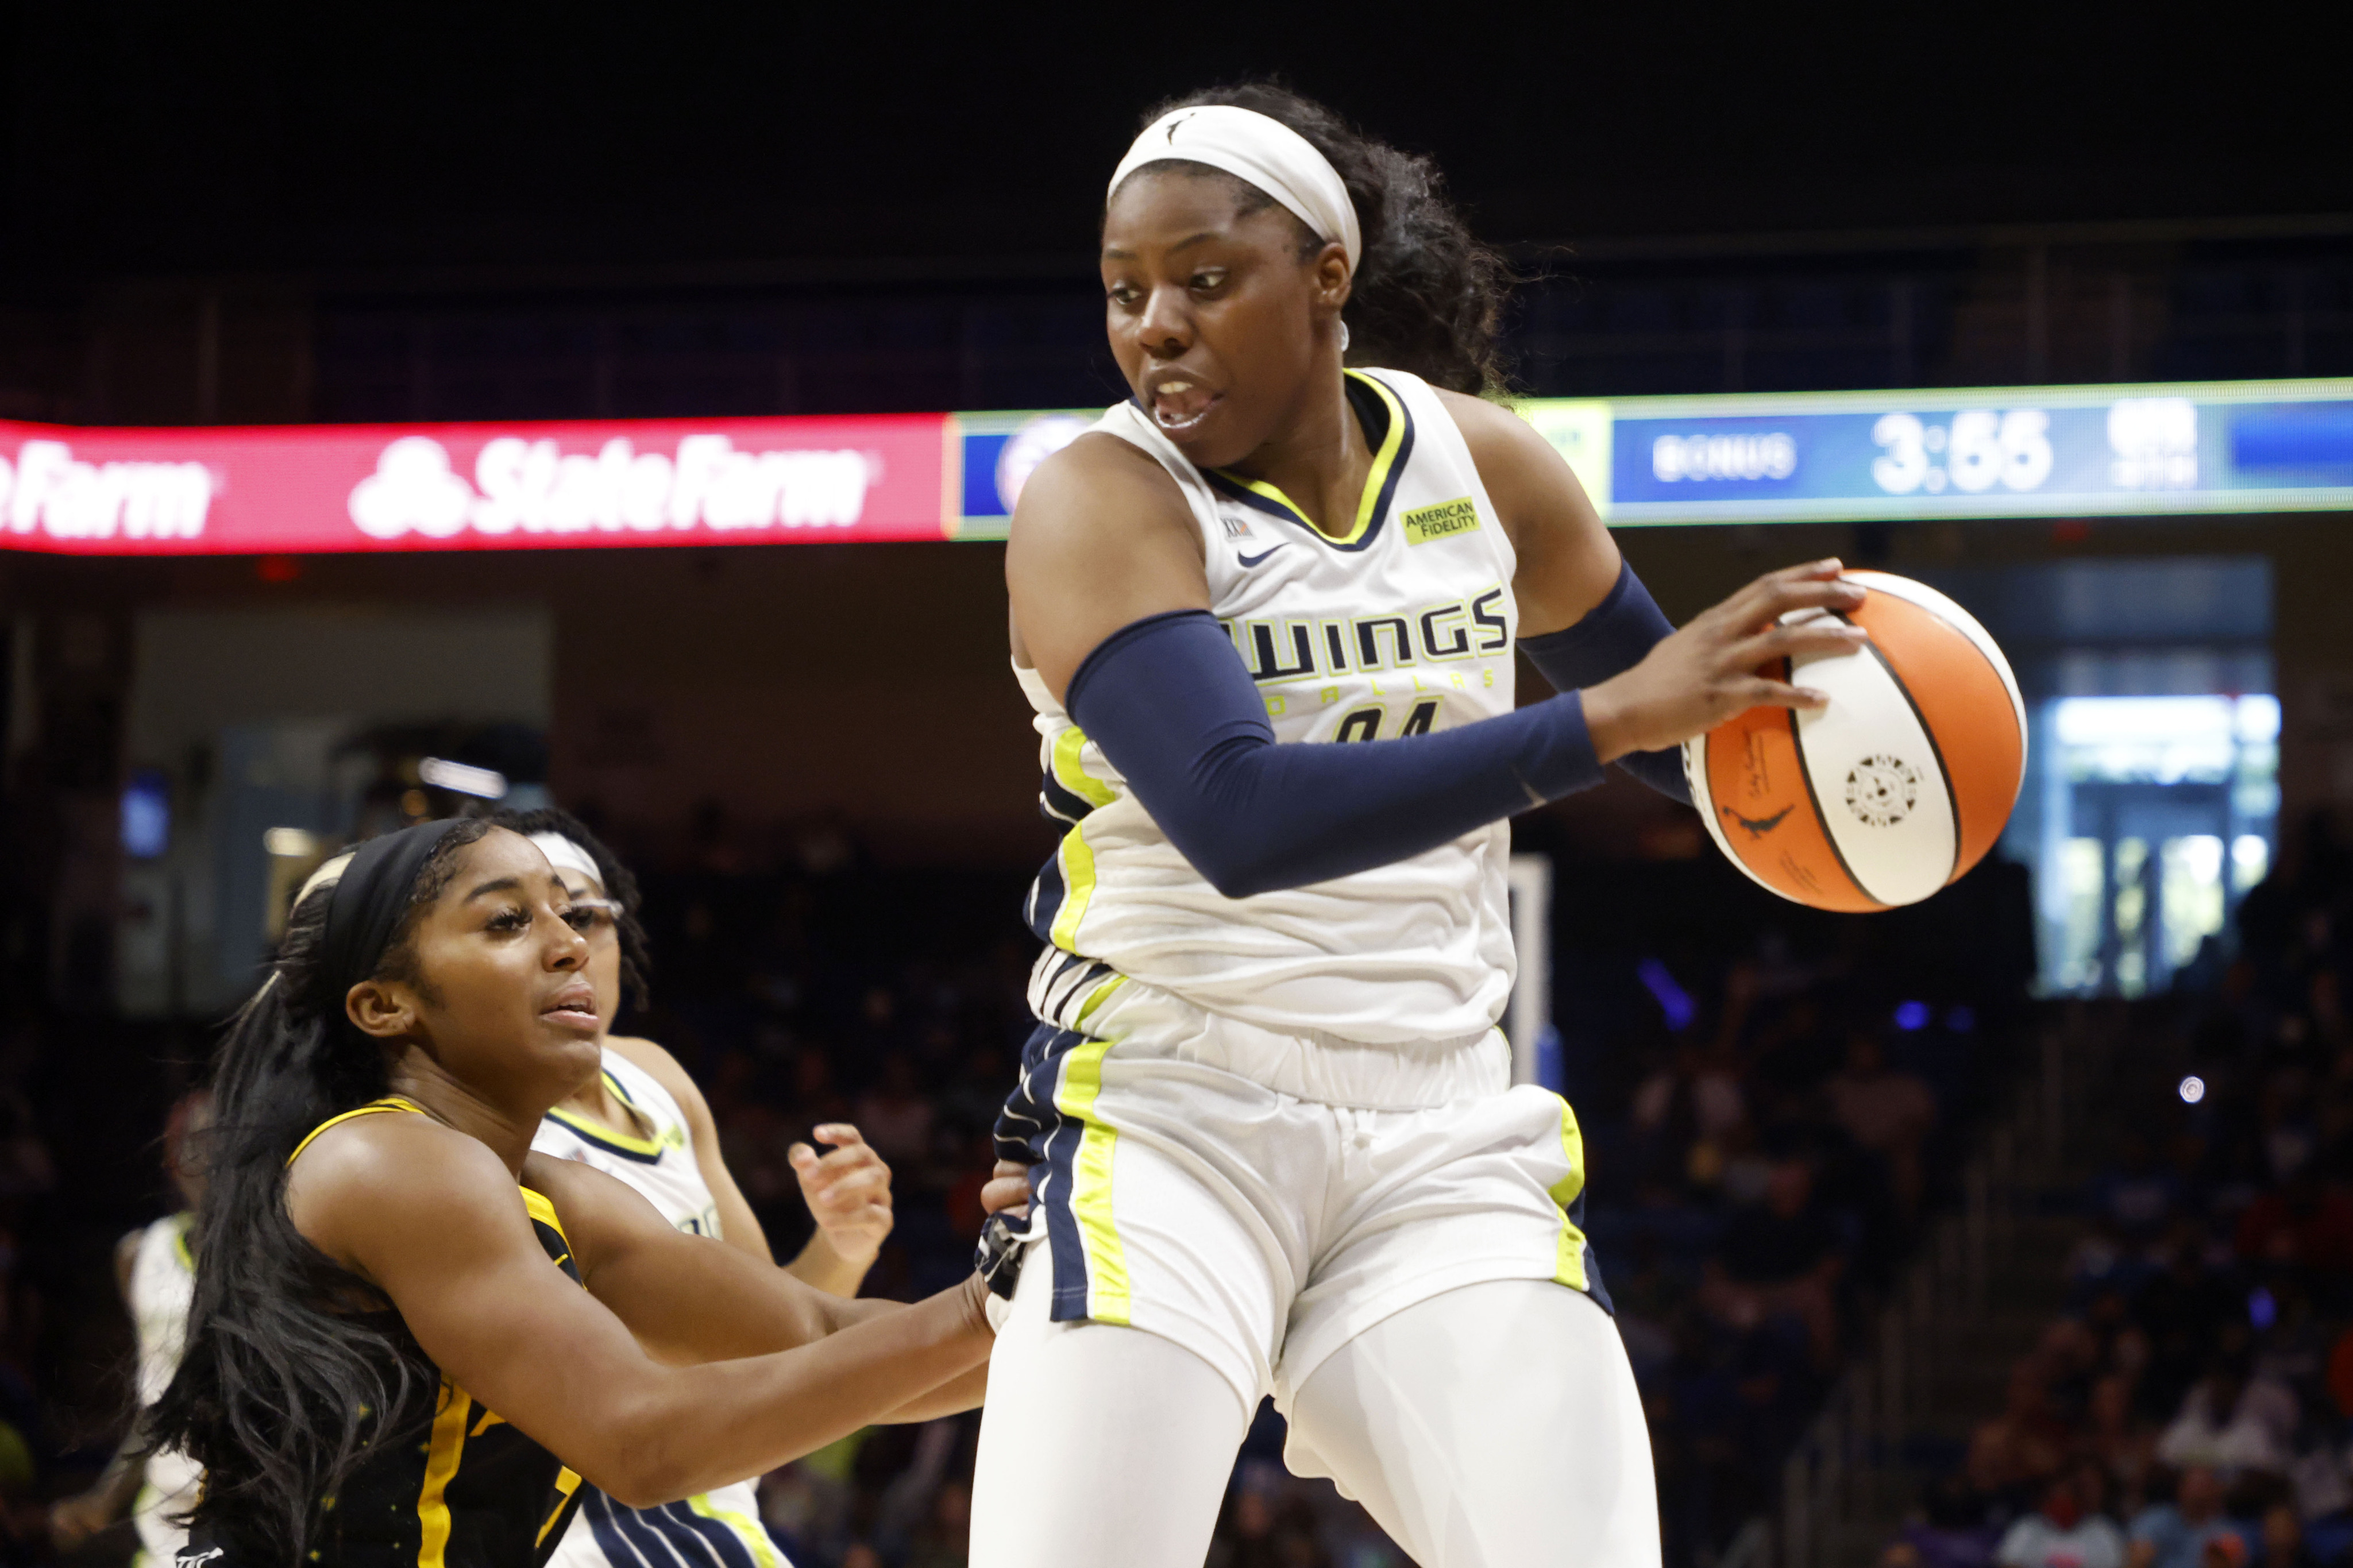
<point>1302,649</point>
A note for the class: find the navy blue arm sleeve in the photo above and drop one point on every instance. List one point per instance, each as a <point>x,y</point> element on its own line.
<point>1170,703</point>
<point>1613,636</point>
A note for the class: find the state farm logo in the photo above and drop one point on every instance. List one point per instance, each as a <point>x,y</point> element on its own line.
<point>48,489</point>
<point>535,487</point>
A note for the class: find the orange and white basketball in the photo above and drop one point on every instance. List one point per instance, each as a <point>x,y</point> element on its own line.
<point>1897,787</point>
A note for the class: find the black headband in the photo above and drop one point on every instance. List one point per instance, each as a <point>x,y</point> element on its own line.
<point>369,899</point>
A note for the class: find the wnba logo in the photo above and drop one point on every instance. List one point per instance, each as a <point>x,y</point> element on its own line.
<point>1880,790</point>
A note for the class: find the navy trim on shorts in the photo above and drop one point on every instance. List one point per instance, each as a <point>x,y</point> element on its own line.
<point>1031,1128</point>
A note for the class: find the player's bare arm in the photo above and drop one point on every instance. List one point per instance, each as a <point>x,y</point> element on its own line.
<point>429,1217</point>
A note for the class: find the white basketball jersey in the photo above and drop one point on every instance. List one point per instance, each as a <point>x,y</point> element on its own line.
<point>660,1166</point>
<point>722,1526</point>
<point>162,1285</point>
<point>1402,626</point>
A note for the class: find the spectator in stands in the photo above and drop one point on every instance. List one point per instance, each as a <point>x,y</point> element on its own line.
<point>1780,1257</point>
<point>2068,1359</point>
<point>1683,1111</point>
<point>2224,1551</point>
<point>2231,1423</point>
<point>2137,1197</point>
<point>1887,1112</point>
<point>2175,1534</point>
<point>2067,1532</point>
<point>895,1114</point>
<point>2104,1261</point>
<point>2301,1223</point>
<point>2115,1439</point>
<point>2184,1310</point>
<point>2030,1438</point>
<point>2282,1539</point>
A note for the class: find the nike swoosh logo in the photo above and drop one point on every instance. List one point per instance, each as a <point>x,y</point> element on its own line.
<point>1254,560</point>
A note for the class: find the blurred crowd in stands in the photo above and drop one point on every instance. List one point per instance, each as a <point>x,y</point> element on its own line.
<point>1764,1178</point>
<point>1767,1098</point>
<point>2190,1407</point>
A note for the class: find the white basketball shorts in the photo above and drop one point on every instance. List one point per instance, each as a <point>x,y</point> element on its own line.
<point>1262,1199</point>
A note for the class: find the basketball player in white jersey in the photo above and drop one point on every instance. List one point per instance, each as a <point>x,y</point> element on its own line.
<point>1266,613</point>
<point>157,1275</point>
<point>644,1122</point>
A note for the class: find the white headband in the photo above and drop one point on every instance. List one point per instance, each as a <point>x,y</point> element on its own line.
<point>565,855</point>
<point>1264,151</point>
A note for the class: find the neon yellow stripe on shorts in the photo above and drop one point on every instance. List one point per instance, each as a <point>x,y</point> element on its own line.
<point>1101,995</point>
<point>1071,777</point>
<point>1078,887</point>
<point>1107,1292</point>
<point>754,1539</point>
<point>1570,1267</point>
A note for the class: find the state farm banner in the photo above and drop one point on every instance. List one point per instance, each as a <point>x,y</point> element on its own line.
<point>596,483</point>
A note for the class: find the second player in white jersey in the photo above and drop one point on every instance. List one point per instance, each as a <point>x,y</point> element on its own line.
<point>1402,626</point>
<point>656,1155</point>
<point>644,1123</point>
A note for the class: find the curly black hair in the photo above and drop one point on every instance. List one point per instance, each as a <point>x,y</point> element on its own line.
<point>637,953</point>
<point>1427,296</point>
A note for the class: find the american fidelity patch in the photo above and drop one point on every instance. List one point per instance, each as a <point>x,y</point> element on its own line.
<point>1444,521</point>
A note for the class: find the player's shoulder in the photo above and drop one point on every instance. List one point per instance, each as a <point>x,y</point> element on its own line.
<point>657,1064</point>
<point>1493,431</point>
<point>371,1159</point>
<point>1097,478</point>
<point>639,1052</point>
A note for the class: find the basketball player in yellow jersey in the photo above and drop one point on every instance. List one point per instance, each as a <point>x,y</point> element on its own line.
<point>1266,614</point>
<point>414,1340</point>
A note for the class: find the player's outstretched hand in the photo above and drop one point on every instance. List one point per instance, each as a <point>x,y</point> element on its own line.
<point>1711,670</point>
<point>847,1191</point>
<point>1008,1188</point>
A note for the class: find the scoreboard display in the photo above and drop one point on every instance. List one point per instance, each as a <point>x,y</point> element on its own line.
<point>1981,453</point>
<point>2043,451</point>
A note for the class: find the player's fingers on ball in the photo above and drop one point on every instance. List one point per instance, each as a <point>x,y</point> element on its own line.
<point>1828,595</point>
<point>1826,636</point>
<point>1784,638</point>
<point>1828,566</point>
<point>1763,693</point>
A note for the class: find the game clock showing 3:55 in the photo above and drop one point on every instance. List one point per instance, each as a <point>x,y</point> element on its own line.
<point>1978,449</point>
